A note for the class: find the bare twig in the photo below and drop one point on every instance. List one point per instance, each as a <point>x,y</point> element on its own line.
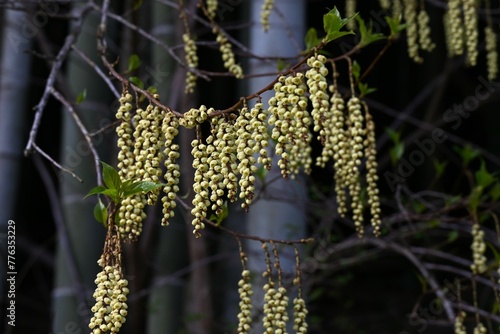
<point>55,163</point>
<point>56,66</point>
<point>84,132</point>
<point>98,70</point>
<point>420,265</point>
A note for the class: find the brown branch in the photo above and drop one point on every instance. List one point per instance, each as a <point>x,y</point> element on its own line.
<point>97,69</point>
<point>376,60</point>
<point>290,70</point>
<point>60,58</point>
<point>105,13</point>
<point>386,244</point>
<point>84,132</point>
<point>246,236</point>
<point>55,163</point>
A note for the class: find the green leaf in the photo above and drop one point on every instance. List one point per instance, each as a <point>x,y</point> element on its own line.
<point>397,152</point>
<point>133,62</point>
<point>394,135</point>
<point>439,167</point>
<point>434,223</point>
<point>126,184</point>
<point>475,198</point>
<point>113,194</point>
<point>395,25</point>
<point>365,90</point>
<point>281,65</point>
<point>453,200</point>
<point>452,236</point>
<point>140,186</point>
<point>101,212</point>
<point>495,192</point>
<point>316,294</point>
<point>467,153</point>
<point>483,177</point>
<point>311,39</point>
<point>219,218</point>
<point>136,81</point>
<point>117,219</point>
<point>81,97</point>
<point>95,190</point>
<point>152,90</point>
<point>356,70</point>
<point>333,22</point>
<point>261,173</point>
<point>495,308</point>
<point>110,176</point>
<point>367,36</point>
<point>418,207</point>
<point>137,4</point>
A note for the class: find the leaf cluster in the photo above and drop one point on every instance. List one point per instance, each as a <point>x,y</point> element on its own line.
<point>117,190</point>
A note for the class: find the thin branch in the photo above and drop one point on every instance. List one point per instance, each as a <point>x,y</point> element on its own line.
<point>463,273</point>
<point>84,132</point>
<point>246,236</point>
<point>105,13</point>
<point>384,244</point>
<point>469,308</point>
<point>61,57</point>
<point>55,163</point>
<point>444,255</point>
<point>97,69</point>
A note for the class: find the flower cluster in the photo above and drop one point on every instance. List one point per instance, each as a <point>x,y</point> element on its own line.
<point>245,146</point>
<point>227,54</point>
<point>194,116</point>
<point>337,147</point>
<point>125,143</point>
<point>140,160</point>
<point>110,309</point>
<point>299,315</point>
<point>480,329</point>
<point>221,162</point>
<point>492,53</point>
<point>275,309</point>
<point>459,323</point>
<point>211,8</point>
<point>172,175</point>
<point>372,176</point>
<point>397,8</point>
<point>454,27</point>
<point>258,123</point>
<point>356,135</point>
<point>478,248</point>
<point>200,186</point>
<point>410,15</point>
<point>245,292</point>
<point>471,30</point>
<point>350,10</point>
<point>344,140</point>
<point>291,120</point>
<point>131,215</point>
<point>267,7</point>
<point>191,62</point>
<point>424,32</point>
<point>318,88</point>
<point>148,146</point>
<point>385,4</point>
